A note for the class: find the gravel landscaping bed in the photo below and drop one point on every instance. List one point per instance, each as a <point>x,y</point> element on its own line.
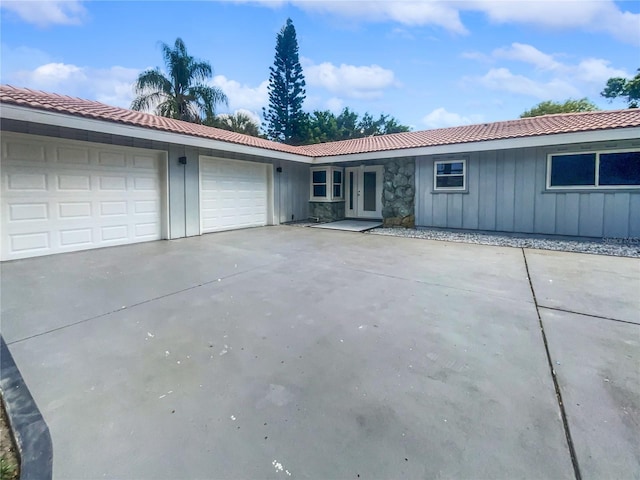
<point>606,246</point>
<point>618,247</point>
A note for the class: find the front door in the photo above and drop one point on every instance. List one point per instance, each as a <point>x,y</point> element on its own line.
<point>363,191</point>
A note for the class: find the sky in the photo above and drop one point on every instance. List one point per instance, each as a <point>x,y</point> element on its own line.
<point>429,63</point>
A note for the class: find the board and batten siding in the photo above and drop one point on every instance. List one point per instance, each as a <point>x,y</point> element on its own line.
<point>507,193</point>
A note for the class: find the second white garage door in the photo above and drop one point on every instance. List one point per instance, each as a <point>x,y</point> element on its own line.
<point>233,194</point>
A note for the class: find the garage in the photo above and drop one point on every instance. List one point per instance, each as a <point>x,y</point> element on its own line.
<point>63,196</point>
<point>233,194</point>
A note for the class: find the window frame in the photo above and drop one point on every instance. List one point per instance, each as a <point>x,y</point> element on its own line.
<point>463,188</point>
<point>596,185</point>
<point>329,184</point>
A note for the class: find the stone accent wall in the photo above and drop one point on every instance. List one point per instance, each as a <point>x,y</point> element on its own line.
<point>398,193</point>
<point>326,211</point>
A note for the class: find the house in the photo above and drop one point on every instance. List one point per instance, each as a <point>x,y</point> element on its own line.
<point>79,174</point>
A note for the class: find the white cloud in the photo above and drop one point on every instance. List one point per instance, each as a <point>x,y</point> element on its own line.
<point>502,79</point>
<point>551,80</point>
<point>596,71</point>
<point>335,104</point>
<point>361,82</point>
<point>243,96</point>
<point>441,118</point>
<point>528,54</point>
<point>595,16</point>
<point>604,16</point>
<point>109,85</point>
<point>47,12</point>
<point>479,56</point>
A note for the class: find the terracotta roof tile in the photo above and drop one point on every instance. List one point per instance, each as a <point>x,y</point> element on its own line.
<point>525,127</point>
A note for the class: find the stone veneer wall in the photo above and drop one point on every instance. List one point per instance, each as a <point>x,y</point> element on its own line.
<point>326,211</point>
<point>398,193</point>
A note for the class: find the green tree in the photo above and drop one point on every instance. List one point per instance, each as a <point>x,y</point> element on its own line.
<point>284,119</point>
<point>238,122</point>
<point>182,93</point>
<point>324,126</point>
<point>568,106</point>
<point>628,89</point>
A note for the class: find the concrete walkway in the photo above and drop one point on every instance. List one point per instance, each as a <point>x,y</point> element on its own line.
<point>305,353</point>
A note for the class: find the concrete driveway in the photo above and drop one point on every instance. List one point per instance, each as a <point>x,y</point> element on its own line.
<point>292,352</point>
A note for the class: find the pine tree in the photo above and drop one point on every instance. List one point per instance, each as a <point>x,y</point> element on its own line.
<point>284,119</point>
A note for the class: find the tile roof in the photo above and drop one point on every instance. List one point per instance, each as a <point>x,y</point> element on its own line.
<point>53,102</point>
<point>520,128</point>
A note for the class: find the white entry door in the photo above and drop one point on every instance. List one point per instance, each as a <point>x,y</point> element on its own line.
<point>233,194</point>
<point>363,191</point>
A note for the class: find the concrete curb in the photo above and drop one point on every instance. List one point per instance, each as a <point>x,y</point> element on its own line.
<point>31,431</point>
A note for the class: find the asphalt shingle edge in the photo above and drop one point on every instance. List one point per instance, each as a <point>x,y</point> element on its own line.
<point>30,430</point>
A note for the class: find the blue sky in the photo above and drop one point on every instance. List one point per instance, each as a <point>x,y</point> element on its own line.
<point>428,63</point>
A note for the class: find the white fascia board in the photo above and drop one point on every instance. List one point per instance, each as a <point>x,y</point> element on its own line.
<point>15,112</point>
<point>629,133</point>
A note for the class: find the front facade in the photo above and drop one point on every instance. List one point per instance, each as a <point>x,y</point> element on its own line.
<point>77,175</point>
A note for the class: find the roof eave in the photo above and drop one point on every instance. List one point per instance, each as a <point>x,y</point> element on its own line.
<point>547,140</point>
<point>45,117</point>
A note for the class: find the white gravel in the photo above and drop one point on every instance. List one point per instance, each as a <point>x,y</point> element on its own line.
<point>619,247</point>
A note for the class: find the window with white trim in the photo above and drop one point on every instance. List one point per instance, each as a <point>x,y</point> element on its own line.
<point>594,170</point>
<point>449,175</point>
<point>327,184</point>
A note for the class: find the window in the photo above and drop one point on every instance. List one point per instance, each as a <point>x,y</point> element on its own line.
<point>449,175</point>
<point>326,184</point>
<point>319,183</point>
<point>594,170</point>
<point>337,184</point>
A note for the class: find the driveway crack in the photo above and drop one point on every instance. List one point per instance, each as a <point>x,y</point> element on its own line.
<point>563,413</point>
<point>137,304</point>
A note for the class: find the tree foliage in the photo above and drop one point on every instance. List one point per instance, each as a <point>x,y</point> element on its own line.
<point>284,118</point>
<point>627,89</point>
<point>182,93</point>
<point>568,106</point>
<point>324,126</point>
<point>239,122</point>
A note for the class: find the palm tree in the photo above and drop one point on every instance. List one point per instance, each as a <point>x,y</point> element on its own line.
<point>182,94</point>
<point>239,122</point>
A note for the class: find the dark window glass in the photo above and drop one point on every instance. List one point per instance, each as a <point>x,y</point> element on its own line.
<point>573,170</point>
<point>621,168</point>
<point>456,168</point>
<point>337,177</point>
<point>337,191</point>
<point>320,176</point>
<point>319,190</point>
<point>369,191</point>
<point>350,190</point>
<point>454,181</point>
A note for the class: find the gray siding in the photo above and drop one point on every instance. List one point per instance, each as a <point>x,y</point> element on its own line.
<point>291,191</point>
<point>507,192</point>
<point>291,187</point>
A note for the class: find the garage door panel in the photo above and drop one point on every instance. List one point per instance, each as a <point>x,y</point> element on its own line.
<point>233,194</point>
<point>89,197</point>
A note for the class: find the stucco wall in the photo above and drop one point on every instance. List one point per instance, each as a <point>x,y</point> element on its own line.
<point>507,192</point>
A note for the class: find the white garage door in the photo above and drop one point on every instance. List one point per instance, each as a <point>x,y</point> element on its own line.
<point>62,196</point>
<point>233,194</point>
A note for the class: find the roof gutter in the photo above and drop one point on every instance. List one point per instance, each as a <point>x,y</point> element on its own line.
<point>615,134</point>
<point>26,114</point>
